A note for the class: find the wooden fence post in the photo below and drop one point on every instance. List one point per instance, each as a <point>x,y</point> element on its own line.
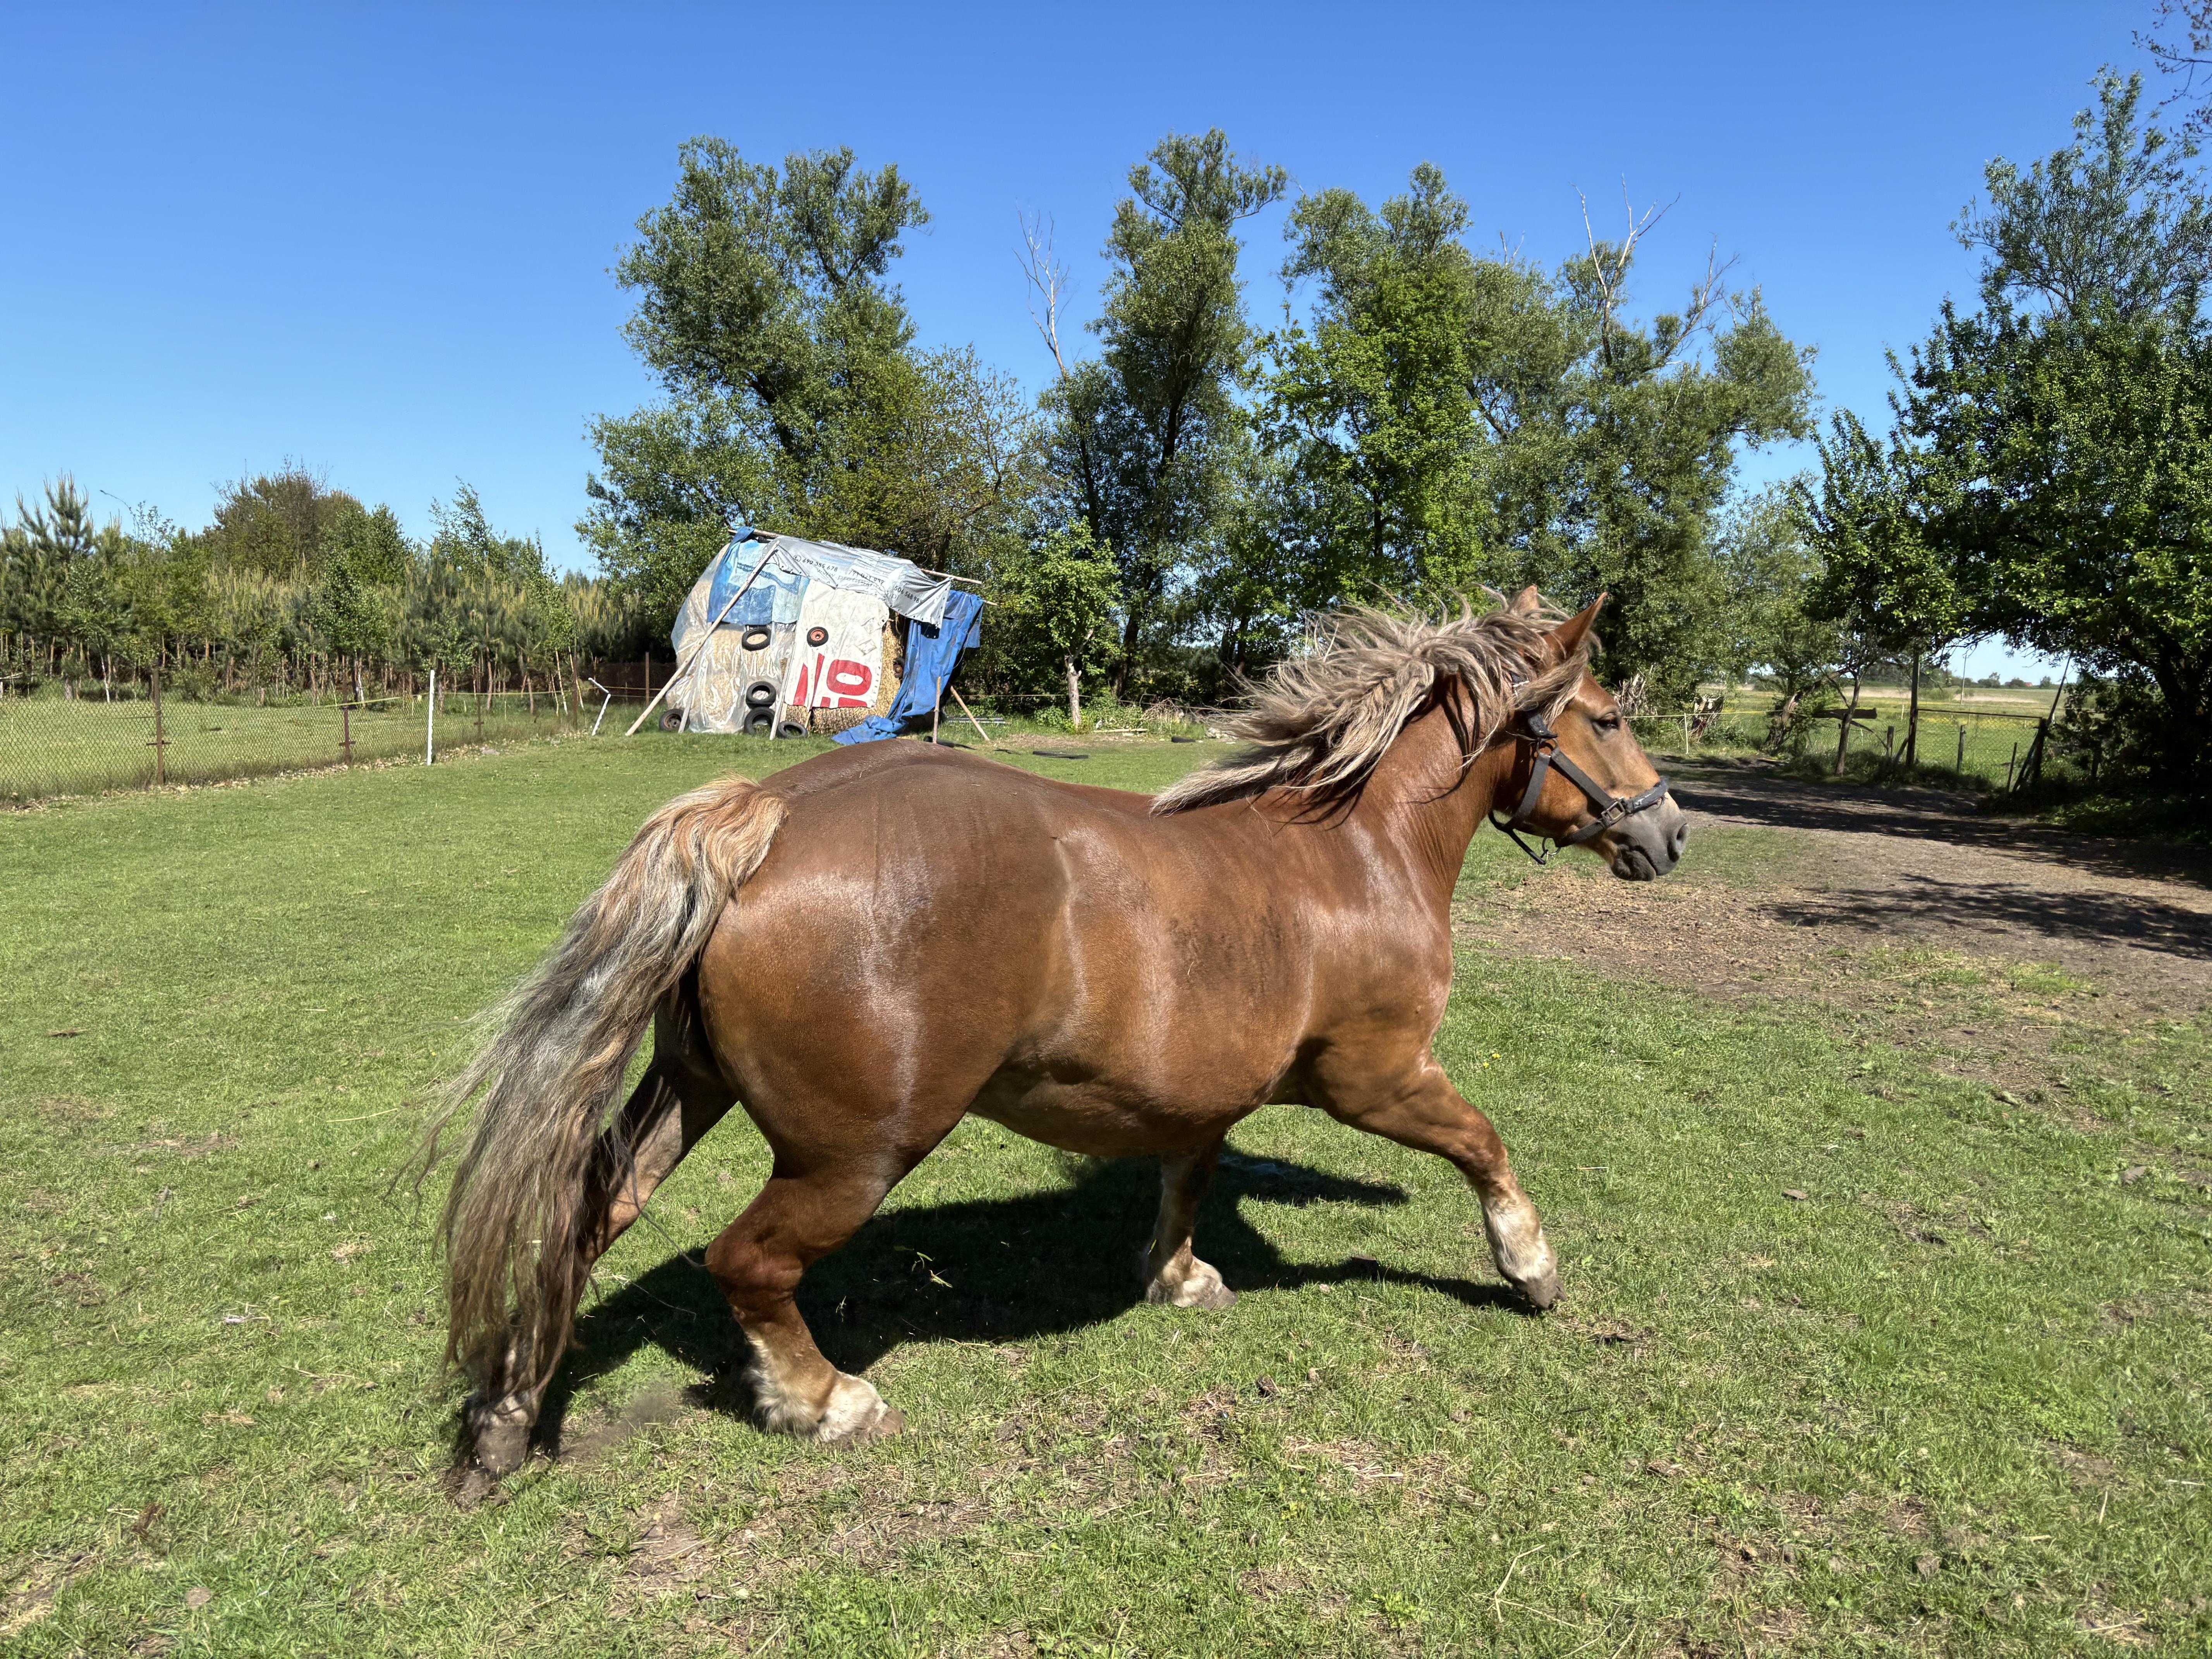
<point>345,732</point>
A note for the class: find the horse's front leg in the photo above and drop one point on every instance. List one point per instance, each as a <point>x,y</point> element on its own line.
<point>1171,1273</point>
<point>1420,1108</point>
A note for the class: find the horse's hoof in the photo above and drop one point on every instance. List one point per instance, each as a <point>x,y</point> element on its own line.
<point>856,1413</point>
<point>1541,1291</point>
<point>502,1442</point>
<point>1201,1287</point>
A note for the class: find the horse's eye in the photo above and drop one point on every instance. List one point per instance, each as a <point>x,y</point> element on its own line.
<point>1608,722</point>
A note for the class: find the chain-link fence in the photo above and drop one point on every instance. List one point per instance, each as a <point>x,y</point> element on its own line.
<point>1982,745</point>
<point>52,745</point>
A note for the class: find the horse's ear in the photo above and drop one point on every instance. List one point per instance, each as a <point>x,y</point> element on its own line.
<point>1570,635</point>
<point>1527,602</point>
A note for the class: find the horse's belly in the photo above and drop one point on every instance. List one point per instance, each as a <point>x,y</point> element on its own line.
<point>1179,1097</point>
<point>1098,1123</point>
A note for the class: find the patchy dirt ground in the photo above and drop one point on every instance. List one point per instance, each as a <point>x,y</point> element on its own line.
<point>1848,875</point>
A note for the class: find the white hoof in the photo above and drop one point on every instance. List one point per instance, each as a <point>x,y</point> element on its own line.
<point>1523,1253</point>
<point>855,1411</point>
<point>1198,1286</point>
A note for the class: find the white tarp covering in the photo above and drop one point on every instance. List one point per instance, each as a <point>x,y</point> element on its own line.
<point>838,658</point>
<point>760,660</point>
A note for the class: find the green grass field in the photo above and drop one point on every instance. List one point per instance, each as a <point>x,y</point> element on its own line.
<point>1856,1355</point>
<point>49,747</point>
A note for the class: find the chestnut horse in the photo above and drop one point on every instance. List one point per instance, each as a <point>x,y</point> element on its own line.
<point>876,942</point>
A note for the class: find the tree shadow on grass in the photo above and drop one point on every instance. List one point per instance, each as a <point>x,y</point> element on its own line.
<point>997,1270</point>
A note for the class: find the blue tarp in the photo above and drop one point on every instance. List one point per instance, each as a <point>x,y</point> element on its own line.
<point>931,656</point>
<point>773,597</point>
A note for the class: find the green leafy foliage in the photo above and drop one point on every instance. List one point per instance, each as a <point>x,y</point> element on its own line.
<point>293,588</point>
<point>1451,419</point>
<point>1145,440</point>
<point>797,398</point>
<point>2045,479</point>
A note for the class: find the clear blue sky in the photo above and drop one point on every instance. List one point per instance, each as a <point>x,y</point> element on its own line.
<point>376,240</point>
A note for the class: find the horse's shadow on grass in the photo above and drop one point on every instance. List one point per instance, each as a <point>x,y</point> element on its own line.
<point>998,1270</point>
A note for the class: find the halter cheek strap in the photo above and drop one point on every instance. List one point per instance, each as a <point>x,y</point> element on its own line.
<point>1611,808</point>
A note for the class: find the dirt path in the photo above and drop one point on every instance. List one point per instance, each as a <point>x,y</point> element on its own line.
<point>1853,871</point>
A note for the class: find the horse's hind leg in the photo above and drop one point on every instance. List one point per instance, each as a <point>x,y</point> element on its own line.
<point>758,1260</point>
<point>678,1100</point>
<point>1421,1109</point>
<point>1172,1275</point>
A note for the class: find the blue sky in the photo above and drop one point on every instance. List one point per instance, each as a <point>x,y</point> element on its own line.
<point>377,240</point>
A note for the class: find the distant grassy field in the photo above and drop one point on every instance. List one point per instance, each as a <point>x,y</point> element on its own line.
<point>50,747</point>
<point>1855,1354</point>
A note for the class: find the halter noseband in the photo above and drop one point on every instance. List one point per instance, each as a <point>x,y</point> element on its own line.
<point>1534,729</point>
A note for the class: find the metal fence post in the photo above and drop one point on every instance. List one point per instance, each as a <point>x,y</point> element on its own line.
<point>345,732</point>
<point>160,735</point>
<point>430,725</point>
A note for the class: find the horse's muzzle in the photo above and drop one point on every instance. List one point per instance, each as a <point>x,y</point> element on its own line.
<point>1647,845</point>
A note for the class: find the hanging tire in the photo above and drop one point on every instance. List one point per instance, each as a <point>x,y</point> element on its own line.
<point>760,694</point>
<point>757,638</point>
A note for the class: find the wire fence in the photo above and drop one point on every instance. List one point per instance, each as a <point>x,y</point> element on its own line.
<point>51,746</point>
<point>1982,745</point>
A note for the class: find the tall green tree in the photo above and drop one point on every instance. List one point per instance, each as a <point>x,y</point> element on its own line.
<point>2045,479</point>
<point>2112,223</point>
<point>1449,418</point>
<point>1881,581</point>
<point>1147,437</point>
<point>1056,595</point>
<point>796,399</point>
<point>1371,403</point>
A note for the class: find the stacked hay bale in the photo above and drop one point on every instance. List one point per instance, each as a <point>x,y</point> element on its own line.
<point>828,722</point>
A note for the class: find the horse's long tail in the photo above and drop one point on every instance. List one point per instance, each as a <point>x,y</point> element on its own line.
<point>546,1084</point>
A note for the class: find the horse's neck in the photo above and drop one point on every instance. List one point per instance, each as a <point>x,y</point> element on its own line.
<point>1427,799</point>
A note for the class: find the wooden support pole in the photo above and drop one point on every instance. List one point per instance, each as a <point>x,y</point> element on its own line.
<point>970,714</point>
<point>685,666</point>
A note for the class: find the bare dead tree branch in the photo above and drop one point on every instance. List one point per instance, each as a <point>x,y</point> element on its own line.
<point>1611,284</point>
<point>1048,283</point>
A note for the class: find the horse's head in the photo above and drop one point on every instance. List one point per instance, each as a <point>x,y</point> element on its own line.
<point>1582,779</point>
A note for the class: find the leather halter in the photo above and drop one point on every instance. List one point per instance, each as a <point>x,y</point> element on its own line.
<point>1537,731</point>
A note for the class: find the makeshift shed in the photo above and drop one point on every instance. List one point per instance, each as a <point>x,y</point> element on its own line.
<point>780,635</point>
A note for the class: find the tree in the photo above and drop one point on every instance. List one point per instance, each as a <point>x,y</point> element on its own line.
<point>1371,405</point>
<point>2180,43</point>
<point>1145,437</point>
<point>1056,598</point>
<point>1449,419</point>
<point>2045,479</point>
<point>285,524</point>
<point>1768,570</point>
<point>796,399</point>
<point>2079,514</point>
<point>1880,581</point>
<point>2110,222</point>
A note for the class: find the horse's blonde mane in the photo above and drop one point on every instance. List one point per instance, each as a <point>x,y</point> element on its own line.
<point>1323,717</point>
